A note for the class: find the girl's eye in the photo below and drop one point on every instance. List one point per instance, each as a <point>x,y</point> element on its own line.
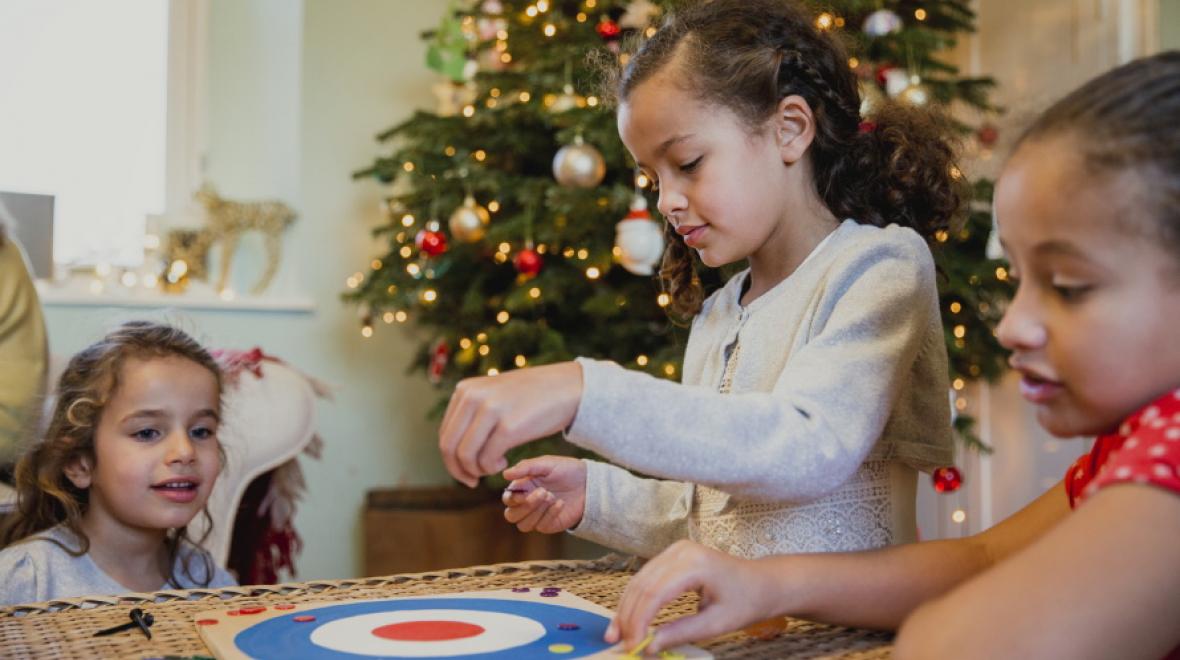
<point>689,167</point>
<point>202,433</point>
<point>146,434</point>
<point>1071,293</point>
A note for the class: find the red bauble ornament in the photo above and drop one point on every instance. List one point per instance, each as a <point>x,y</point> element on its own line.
<point>987,135</point>
<point>527,262</point>
<point>882,71</point>
<point>440,354</point>
<point>947,479</point>
<point>433,243</point>
<point>608,29</point>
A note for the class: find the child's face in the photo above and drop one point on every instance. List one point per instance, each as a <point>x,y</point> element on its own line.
<point>1093,326</point>
<point>156,448</point>
<point>719,186</point>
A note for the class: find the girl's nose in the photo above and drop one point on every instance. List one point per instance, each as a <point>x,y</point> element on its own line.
<point>1021,329</point>
<point>671,204</point>
<point>180,447</point>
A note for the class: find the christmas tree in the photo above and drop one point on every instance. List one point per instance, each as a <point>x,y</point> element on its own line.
<point>519,231</point>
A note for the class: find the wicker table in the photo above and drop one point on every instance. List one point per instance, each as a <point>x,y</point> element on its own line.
<point>63,629</point>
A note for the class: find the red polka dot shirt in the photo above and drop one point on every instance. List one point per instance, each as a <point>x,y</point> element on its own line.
<point>1145,449</point>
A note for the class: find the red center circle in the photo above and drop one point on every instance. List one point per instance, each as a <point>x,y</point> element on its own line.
<point>428,631</point>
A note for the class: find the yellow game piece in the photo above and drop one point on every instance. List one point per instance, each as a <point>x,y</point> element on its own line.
<point>671,655</point>
<point>635,652</point>
<point>560,648</point>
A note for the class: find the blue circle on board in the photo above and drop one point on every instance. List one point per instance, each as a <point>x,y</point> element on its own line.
<point>282,637</point>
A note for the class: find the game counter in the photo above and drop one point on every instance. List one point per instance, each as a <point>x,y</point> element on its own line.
<point>538,609</point>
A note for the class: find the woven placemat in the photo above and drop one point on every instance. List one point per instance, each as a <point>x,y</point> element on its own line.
<point>64,628</point>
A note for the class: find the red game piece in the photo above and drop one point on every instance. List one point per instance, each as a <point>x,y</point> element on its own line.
<point>284,606</point>
<point>303,618</point>
<point>252,610</point>
<point>207,622</point>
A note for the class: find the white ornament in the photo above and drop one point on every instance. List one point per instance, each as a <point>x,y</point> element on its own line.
<point>640,239</point>
<point>470,68</point>
<point>994,249</point>
<point>578,165</point>
<point>881,23</point>
<point>638,14</point>
<point>896,80</point>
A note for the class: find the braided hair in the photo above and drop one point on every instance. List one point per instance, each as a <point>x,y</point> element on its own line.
<point>747,55</point>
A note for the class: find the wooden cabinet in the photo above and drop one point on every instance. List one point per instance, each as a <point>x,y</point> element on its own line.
<point>410,530</point>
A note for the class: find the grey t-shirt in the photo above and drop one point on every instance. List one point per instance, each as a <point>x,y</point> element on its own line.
<point>36,569</point>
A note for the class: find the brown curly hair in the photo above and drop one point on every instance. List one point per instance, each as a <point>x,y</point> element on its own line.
<point>45,496</point>
<point>747,55</point>
<point>1126,119</point>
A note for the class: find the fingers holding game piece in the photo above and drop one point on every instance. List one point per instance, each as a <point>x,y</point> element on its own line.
<point>536,505</point>
<point>727,587</point>
<point>517,490</point>
<point>539,467</point>
<point>487,416</point>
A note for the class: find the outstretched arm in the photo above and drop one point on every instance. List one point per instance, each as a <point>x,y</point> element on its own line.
<point>1102,584</point>
<point>797,442</point>
<point>829,405</point>
<point>876,589</point>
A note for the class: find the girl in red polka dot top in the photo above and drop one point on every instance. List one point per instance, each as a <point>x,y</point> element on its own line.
<point>1088,210</point>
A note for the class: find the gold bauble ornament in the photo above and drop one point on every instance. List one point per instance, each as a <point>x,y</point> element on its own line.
<point>579,165</point>
<point>872,99</point>
<point>915,95</point>
<point>566,100</point>
<point>470,221</point>
<point>465,357</point>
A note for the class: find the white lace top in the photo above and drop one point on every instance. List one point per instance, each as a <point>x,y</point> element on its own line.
<point>802,417</point>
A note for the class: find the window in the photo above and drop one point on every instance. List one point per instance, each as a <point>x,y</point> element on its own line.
<point>86,117</point>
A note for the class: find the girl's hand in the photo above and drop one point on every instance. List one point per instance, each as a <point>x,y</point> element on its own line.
<point>731,591</point>
<point>546,494</point>
<point>489,415</point>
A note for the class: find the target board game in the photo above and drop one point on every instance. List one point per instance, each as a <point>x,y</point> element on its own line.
<point>488,625</point>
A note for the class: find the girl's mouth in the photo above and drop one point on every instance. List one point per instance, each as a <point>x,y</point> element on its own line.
<point>177,491</point>
<point>1038,390</point>
<point>693,235</point>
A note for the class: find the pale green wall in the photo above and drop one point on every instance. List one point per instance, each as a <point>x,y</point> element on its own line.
<point>1169,24</point>
<point>298,89</point>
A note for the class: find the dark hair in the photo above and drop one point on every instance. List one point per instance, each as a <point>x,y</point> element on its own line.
<point>45,496</point>
<point>747,55</point>
<point>1127,118</point>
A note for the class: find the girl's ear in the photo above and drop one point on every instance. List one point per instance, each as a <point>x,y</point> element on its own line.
<point>78,472</point>
<point>794,128</point>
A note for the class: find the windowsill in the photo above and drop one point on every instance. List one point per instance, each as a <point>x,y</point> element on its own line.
<point>199,295</point>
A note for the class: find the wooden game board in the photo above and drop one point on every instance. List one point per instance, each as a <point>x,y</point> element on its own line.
<point>532,622</point>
